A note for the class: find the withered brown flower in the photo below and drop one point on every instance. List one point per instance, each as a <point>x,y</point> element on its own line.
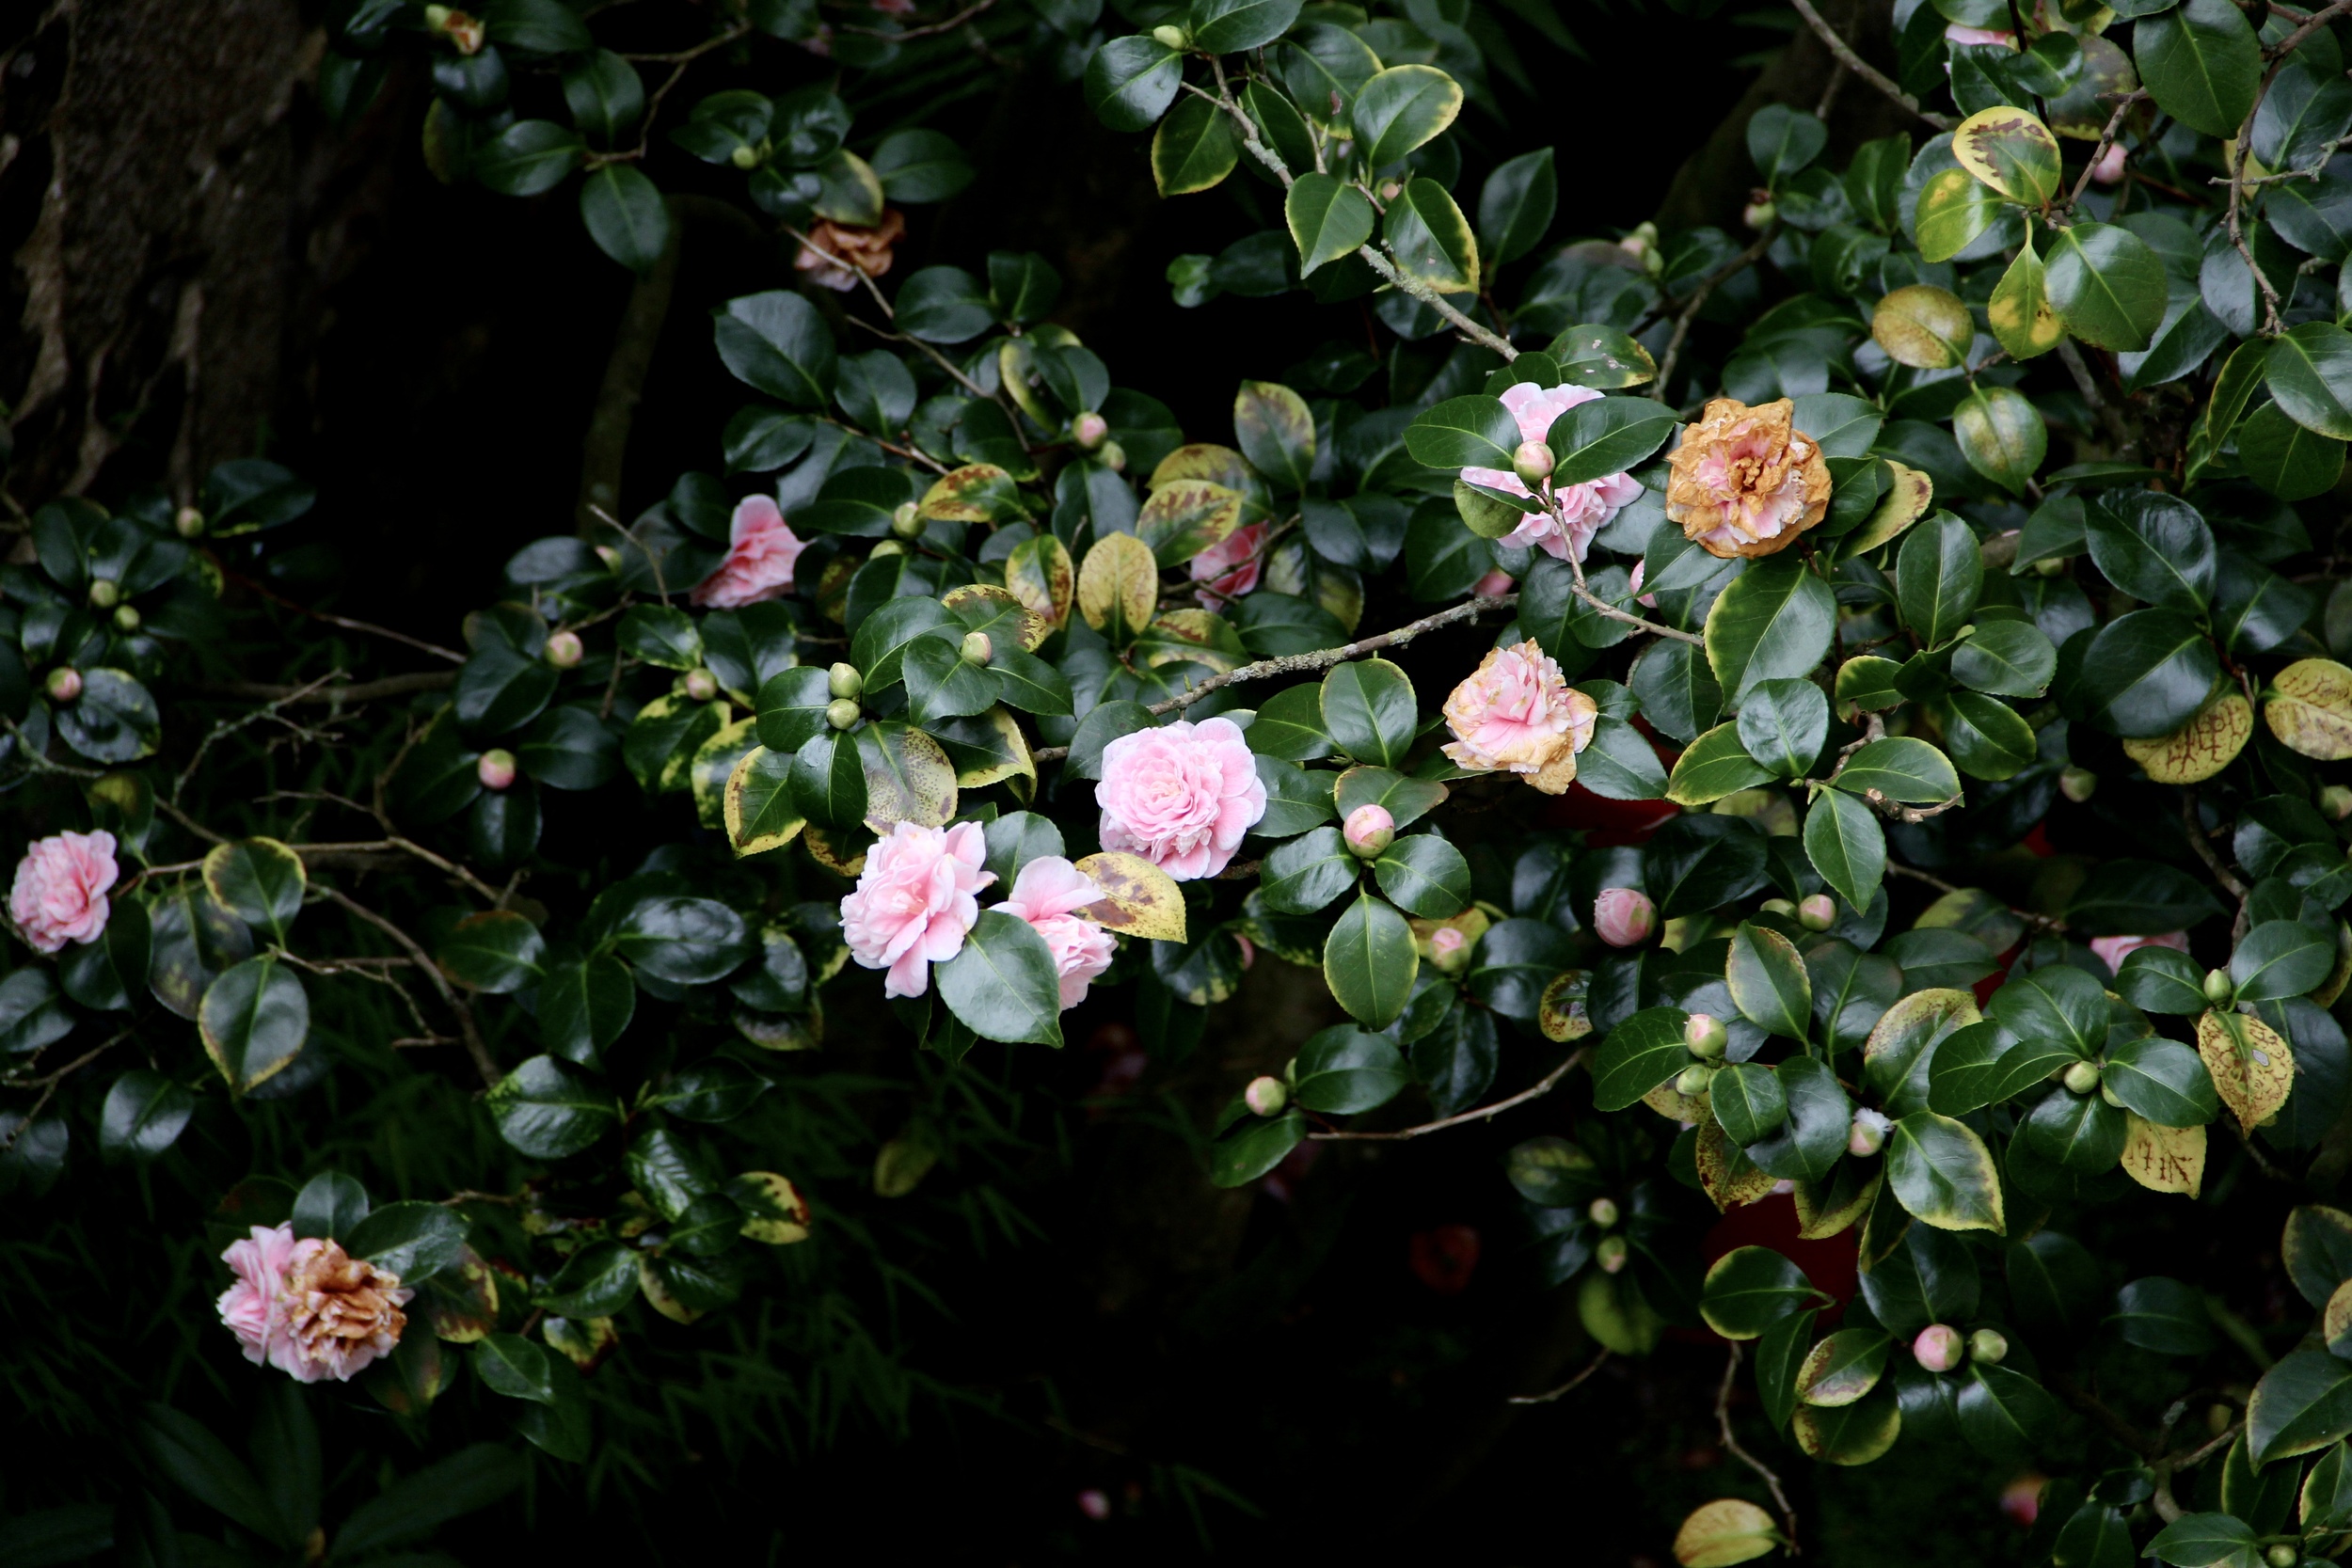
<point>834,248</point>
<point>1746,480</point>
<point>342,1312</point>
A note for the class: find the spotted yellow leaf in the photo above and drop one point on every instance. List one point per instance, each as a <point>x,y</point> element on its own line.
<point>1561,1015</point>
<point>2251,1067</point>
<point>2309,708</point>
<point>1138,898</point>
<point>1730,1177</point>
<point>2164,1159</point>
<point>2201,748</point>
<point>1727,1531</point>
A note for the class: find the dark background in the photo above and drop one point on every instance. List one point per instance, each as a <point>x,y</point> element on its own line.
<point>1258,1375</point>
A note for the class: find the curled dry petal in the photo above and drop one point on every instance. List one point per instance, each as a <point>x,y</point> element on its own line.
<point>1746,480</point>
<point>1516,713</point>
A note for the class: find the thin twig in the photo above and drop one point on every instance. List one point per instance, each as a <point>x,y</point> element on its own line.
<point>1568,1387</point>
<point>932,30</point>
<point>1864,69</point>
<point>1322,658</point>
<point>677,62</point>
<point>346,621</point>
<point>2123,102</point>
<point>483,1062</point>
<point>366,691</point>
<point>2205,850</point>
<point>1731,1444</point>
<point>1698,297</point>
<point>1585,592</point>
<point>1533,1091</point>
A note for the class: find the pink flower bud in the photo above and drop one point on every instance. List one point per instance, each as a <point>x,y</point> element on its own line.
<point>564,650</point>
<point>1624,917</point>
<point>496,770</point>
<point>2109,169</point>
<point>1870,1133</point>
<point>1089,431</point>
<point>701,685</point>
<point>1249,951</point>
<point>1634,587</point>
<point>1446,945</point>
<point>1937,1348</point>
<point>1705,1037</point>
<point>1495,582</point>
<point>1817,914</point>
<point>1095,1504</point>
<point>977,648</point>
<point>1266,1096</point>
<point>63,685</point>
<point>188,523</point>
<point>2336,800</point>
<point>1370,829</point>
<point>1612,1254</point>
<point>1760,212</point>
<point>1533,461</point>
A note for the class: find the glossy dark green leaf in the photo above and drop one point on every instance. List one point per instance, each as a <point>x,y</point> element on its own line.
<point>413,1240</point>
<point>1942,1174</point>
<point>1747,1100</point>
<point>548,1110</point>
<point>2105,283</point>
<point>2202,63</point>
<point>1424,875</point>
<point>1369,961</point>
<point>2301,1404</point>
<point>254,1019</point>
<point>1131,81</point>
<point>1774,622</point>
<point>1606,436</point>
<point>1820,1117</point>
<point>143,1115</point>
<point>2280,959</point>
<point>1003,983</point>
<point>1751,1288</point>
<point>1368,709</point>
<point>1938,574</point>
<point>2155,547</point>
<point>2147,674</point>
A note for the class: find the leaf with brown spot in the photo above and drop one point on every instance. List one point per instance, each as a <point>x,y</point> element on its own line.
<point>1723,1532</point>
<point>1923,327</point>
<point>2252,1068</point>
<point>773,1209</point>
<point>658,1295</point>
<point>1204,460</point>
<point>830,850</point>
<point>2309,708</point>
<point>2164,1159</point>
<point>2019,311</point>
<point>461,1303</point>
<point>1186,517</point>
<point>1832,1206</point>
<point>1193,637</point>
<point>1138,898</point>
<point>1118,586</point>
<point>1042,576</point>
<point>757,807</point>
<point>908,777</point>
<point>2335,1320</point>
<point>1730,1177</point>
<point>1561,1014</point>
<point>1689,1109</point>
<point>2201,748</point>
<point>977,493</point>
<point>2011,152</point>
<point>1000,611</point>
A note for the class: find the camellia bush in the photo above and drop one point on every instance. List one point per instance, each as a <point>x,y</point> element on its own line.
<point>1843,716</point>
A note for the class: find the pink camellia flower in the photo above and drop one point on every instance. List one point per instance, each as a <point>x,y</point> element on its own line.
<point>760,554</point>
<point>1623,916</point>
<point>254,1307</point>
<point>60,891</point>
<point>1369,829</point>
<point>2112,951</point>
<point>1494,583</point>
<point>1564,532</point>
<point>1937,1348</point>
<point>1634,587</point>
<point>2109,169</point>
<point>310,1309</point>
<point>1181,796</point>
<point>1955,33</point>
<point>1229,568</point>
<point>1516,713</point>
<point>914,902</point>
<point>1048,894</point>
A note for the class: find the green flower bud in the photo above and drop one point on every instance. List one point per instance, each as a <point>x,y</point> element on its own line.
<point>188,523</point>
<point>701,685</point>
<point>2078,784</point>
<point>1603,1212</point>
<point>1759,214</point>
<point>1171,37</point>
<point>104,592</point>
<point>1693,1080</point>
<point>904,523</point>
<point>843,680</point>
<point>1817,914</point>
<point>2219,988</point>
<point>1706,1036</point>
<point>1533,462</point>
<point>1989,1345</point>
<point>496,770</point>
<point>744,157</point>
<point>564,650</point>
<point>977,648</point>
<point>841,712</point>
<point>609,556</point>
<point>2283,1556</point>
<point>1266,1096</point>
<point>1610,1254</point>
<point>127,618</point>
<point>1089,430</point>
<point>1112,456</point>
<point>63,685</point>
<point>2336,800</point>
<point>2081,1078</point>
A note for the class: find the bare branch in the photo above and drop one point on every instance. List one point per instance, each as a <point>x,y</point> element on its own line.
<point>1864,69</point>
<point>1533,1091</point>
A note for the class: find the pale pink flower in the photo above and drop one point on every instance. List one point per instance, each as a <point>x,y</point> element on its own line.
<point>1516,713</point>
<point>1229,568</point>
<point>1955,33</point>
<point>2112,951</point>
<point>761,550</point>
<point>255,1308</point>
<point>1048,894</point>
<point>1181,796</point>
<point>1649,601</point>
<point>308,1307</point>
<point>342,1313</point>
<point>914,902</point>
<point>1495,582</point>
<point>2109,169</point>
<point>1623,916</point>
<point>1579,510</point>
<point>60,891</point>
